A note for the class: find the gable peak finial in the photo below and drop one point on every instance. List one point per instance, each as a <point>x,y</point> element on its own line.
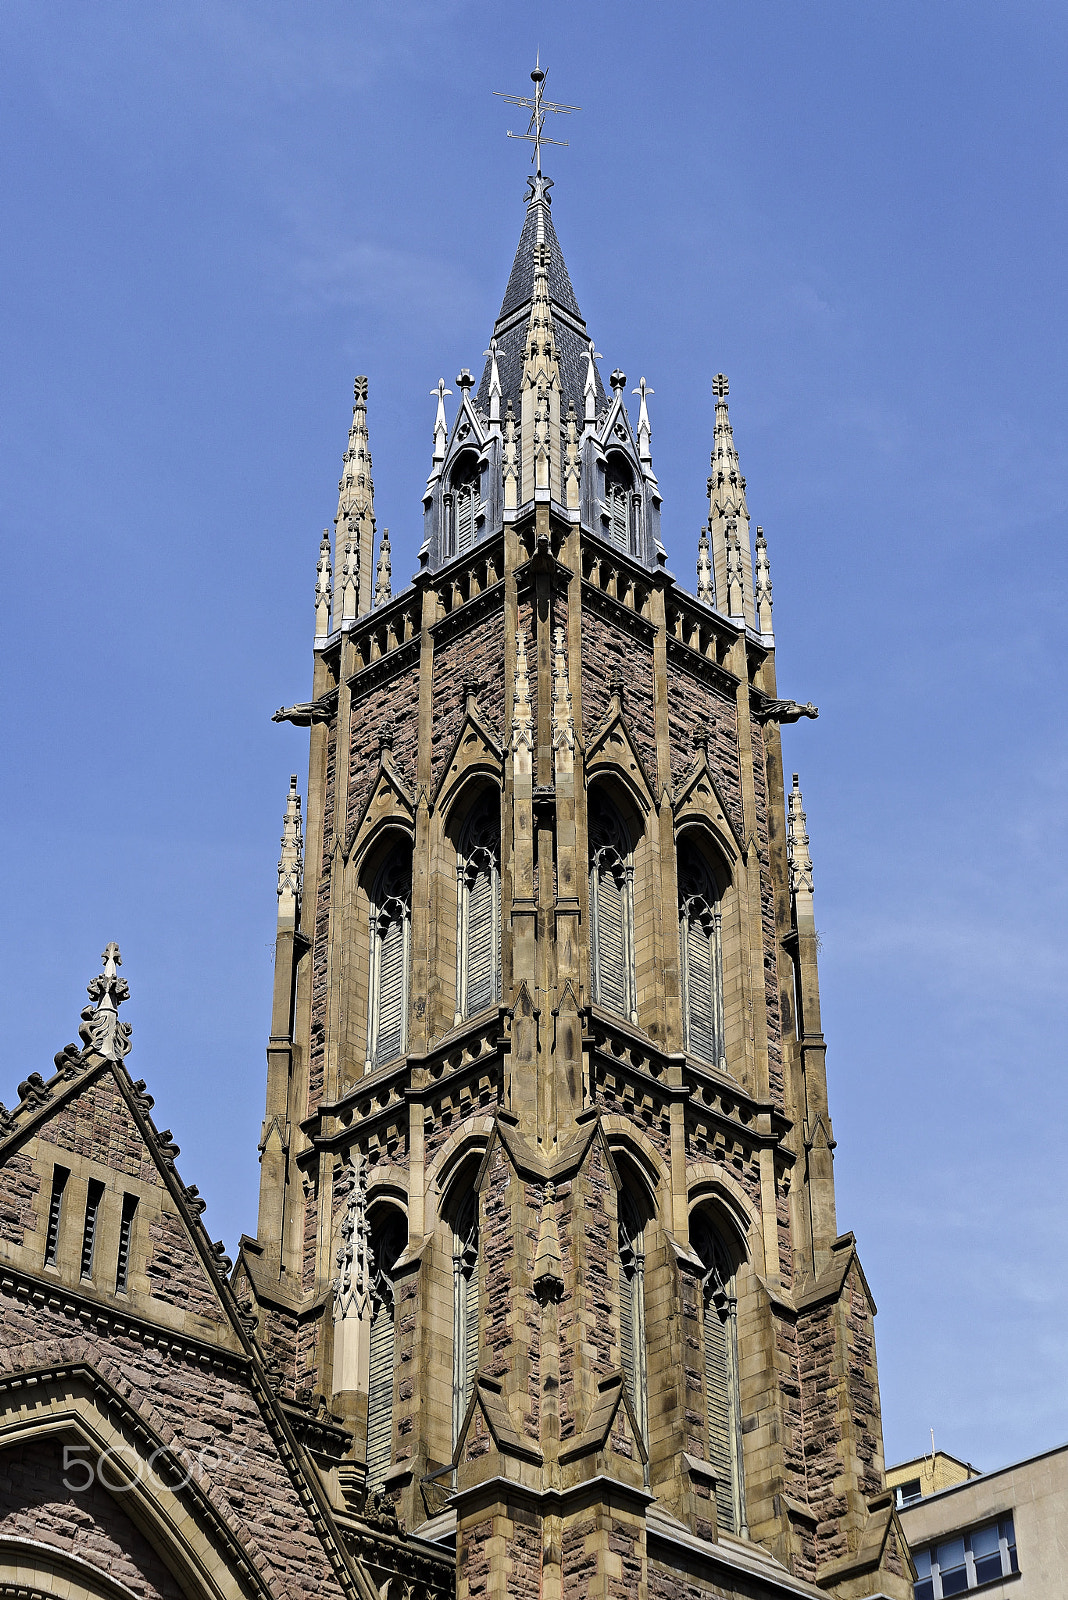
<point>441,429</point>
<point>101,1029</point>
<point>618,380</point>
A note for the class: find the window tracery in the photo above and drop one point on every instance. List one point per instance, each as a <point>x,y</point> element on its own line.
<point>478,911</point>
<point>611,910</point>
<point>701,957</point>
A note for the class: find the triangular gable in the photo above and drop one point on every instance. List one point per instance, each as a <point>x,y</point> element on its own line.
<point>468,432</point>
<point>474,749</point>
<point>882,1547</point>
<point>602,1422</point>
<point>701,793</point>
<point>613,746</point>
<point>488,1407</point>
<point>386,795</point>
<point>615,432</point>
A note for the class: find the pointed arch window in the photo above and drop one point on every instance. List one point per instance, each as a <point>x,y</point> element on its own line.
<point>391,937</point>
<point>701,952</point>
<point>611,911</point>
<point>719,1312</point>
<point>464,1309</point>
<point>463,507</point>
<point>386,1244</point>
<point>621,505</point>
<point>632,1307</point>
<point>478,911</point>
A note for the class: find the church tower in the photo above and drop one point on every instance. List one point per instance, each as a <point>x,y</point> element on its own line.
<point>547,1237</point>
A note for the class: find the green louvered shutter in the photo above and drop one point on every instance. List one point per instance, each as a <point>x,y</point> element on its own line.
<point>380,1396</point>
<point>470,1333</point>
<point>391,1018</point>
<point>700,1020</point>
<point>481,962</point>
<point>611,944</point>
<point>718,1401</point>
<point>466,502</point>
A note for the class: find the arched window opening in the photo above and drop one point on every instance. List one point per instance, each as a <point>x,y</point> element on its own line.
<point>611,910</point>
<point>632,1306</point>
<point>720,1334</point>
<point>391,937</point>
<point>464,1309</point>
<point>386,1244</point>
<point>462,504</point>
<point>478,911</point>
<point>701,950</point>
<point>621,506</point>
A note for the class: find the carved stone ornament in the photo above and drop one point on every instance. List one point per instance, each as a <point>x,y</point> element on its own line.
<point>101,1029</point>
<point>785,711</point>
<point>309,711</point>
<point>352,1284</point>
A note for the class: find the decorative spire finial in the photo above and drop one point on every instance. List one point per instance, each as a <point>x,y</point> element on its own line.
<point>494,386</point>
<point>797,844</point>
<point>706,583</point>
<point>291,861</point>
<point>720,386</point>
<point>383,592</point>
<point>762,579</point>
<point>441,431</point>
<point>323,588</point>
<point>589,388</point>
<point>355,520</point>
<point>539,109</point>
<point>101,1029</point>
<point>563,715</point>
<point>645,432</point>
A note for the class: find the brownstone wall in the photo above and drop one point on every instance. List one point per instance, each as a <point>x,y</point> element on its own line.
<point>89,1523</point>
<point>395,703</point>
<point>478,655</point>
<point>19,1187</point>
<point>495,1347</point>
<point>860,1378</point>
<point>176,1274</point>
<point>605,651</point>
<point>692,704</point>
<point>321,931</point>
<point>96,1123</point>
<point>195,1407</point>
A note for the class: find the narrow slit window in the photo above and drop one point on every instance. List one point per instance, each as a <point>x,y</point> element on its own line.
<point>122,1267</point>
<point>93,1198</point>
<point>55,1212</point>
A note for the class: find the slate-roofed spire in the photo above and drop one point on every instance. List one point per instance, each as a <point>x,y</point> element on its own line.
<point>540,399</point>
<point>509,331</point>
<point>354,539</point>
<point>727,505</point>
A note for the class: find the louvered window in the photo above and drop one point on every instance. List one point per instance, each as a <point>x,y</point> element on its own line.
<point>94,1196</point>
<point>122,1265</point>
<point>55,1213</point>
<point>387,1023</point>
<point>478,931</point>
<point>620,507</point>
<point>632,1307</point>
<point>463,508</point>
<point>720,1332</point>
<point>611,912</point>
<point>702,959</point>
<point>384,1248</point>
<point>465,1310</point>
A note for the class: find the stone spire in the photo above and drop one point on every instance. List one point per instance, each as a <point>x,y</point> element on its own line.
<point>590,387</point>
<point>291,861</point>
<point>762,582</point>
<point>383,591</point>
<point>726,502</point>
<point>706,587</point>
<point>539,419</point>
<point>797,848</point>
<point>354,538</point>
<point>494,387</point>
<point>323,588</point>
<point>101,1030</point>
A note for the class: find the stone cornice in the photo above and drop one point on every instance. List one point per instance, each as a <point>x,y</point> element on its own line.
<point>615,611</point>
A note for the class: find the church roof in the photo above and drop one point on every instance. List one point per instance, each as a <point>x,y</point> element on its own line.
<point>571,336</point>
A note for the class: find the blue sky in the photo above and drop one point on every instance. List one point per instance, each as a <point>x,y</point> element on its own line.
<point>215,214</point>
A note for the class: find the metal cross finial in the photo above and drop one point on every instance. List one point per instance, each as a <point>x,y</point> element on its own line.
<point>538,109</point>
<point>720,386</point>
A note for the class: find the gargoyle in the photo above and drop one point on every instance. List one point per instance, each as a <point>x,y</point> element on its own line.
<point>309,711</point>
<point>784,711</point>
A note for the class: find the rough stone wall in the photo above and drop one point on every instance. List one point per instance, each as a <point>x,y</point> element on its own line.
<point>395,703</point>
<point>311,1237</point>
<point>174,1271</point>
<point>277,1337</point>
<point>605,651</point>
<point>201,1411</point>
<point>693,1368</point>
<point>666,1583</point>
<point>407,1313</point>
<point>88,1523</point>
<point>526,622</point>
<point>478,655</point>
<point>795,1453</point>
<point>96,1123</point>
<point>821,1435</point>
<point>496,1343</point>
<point>692,704</point>
<point>321,931</point>
<point>860,1380</point>
<point>20,1185</point>
<point>533,1195</point>
<point>589,1317</point>
<point>784,1235</point>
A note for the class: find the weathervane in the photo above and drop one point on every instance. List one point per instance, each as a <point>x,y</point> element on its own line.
<point>538,109</point>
